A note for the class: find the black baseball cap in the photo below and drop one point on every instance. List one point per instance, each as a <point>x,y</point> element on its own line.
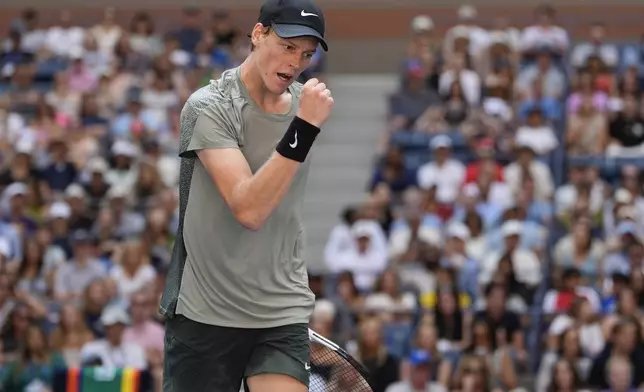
<point>294,18</point>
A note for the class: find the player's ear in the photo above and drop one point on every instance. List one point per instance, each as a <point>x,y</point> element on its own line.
<point>258,34</point>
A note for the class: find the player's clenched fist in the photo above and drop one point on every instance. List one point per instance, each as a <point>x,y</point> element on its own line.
<point>316,103</point>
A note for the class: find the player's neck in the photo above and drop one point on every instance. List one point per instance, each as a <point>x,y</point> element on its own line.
<point>256,87</point>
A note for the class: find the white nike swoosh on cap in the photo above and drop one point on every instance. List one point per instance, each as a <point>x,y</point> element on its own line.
<point>307,14</point>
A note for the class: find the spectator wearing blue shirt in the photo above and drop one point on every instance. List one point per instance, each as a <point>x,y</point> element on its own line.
<point>60,173</point>
<point>190,33</point>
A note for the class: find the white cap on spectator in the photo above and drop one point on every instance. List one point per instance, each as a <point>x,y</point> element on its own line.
<point>430,235</point>
<point>122,147</point>
<point>458,230</point>
<point>422,23</point>
<point>440,141</point>
<point>59,210</point>
<point>623,196</point>
<point>471,190</point>
<point>5,248</point>
<point>460,32</point>
<point>113,315</point>
<point>24,146</point>
<point>324,309</point>
<point>512,227</point>
<point>75,191</point>
<point>467,12</point>
<point>16,189</point>
<point>76,53</point>
<point>97,165</point>
<point>361,229</point>
<point>499,37</point>
<point>117,192</point>
<point>379,303</point>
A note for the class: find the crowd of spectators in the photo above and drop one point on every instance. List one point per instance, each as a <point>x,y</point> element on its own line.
<point>499,242</point>
<point>88,180</point>
<point>500,246</point>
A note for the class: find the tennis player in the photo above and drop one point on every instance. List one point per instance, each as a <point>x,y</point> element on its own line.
<point>237,300</point>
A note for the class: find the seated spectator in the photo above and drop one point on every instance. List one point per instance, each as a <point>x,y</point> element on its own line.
<point>626,307</point>
<point>142,37</point>
<point>64,38</point>
<point>455,257</point>
<point>587,130</point>
<point>627,132</point>
<point>596,45</point>
<point>625,340</point>
<point>525,265</point>
<point>420,375</point>
<point>586,93</point>
<point>33,275</point>
<point>527,165</point>
<point>485,150</point>
<point>35,366</point>
<point>457,77</point>
<point>620,374</point>
<point>107,33</point>
<point>584,188</point>
<point>452,322</point>
<point>472,374</point>
<point>544,33</point>
<point>408,104</point>
<point>95,298</point>
<point>392,171</point>
<point>21,97</point>
<point>133,271</point>
<point>366,259</point>
<point>549,80</point>
<point>446,173</point>
<point>565,377</point>
<point>581,251</point>
<point>456,109</point>
<point>468,26</point>
<point>73,277</point>
<point>559,300</point>
<point>113,352</point>
<point>426,340</point>
<point>388,295</point>
<point>536,134</point>
<point>70,335</point>
<point>371,352</point>
<point>60,172</point>
<point>582,318</point>
<point>144,331</point>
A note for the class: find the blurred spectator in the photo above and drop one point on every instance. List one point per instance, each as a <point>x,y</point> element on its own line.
<point>65,38</point>
<point>544,34</point>
<point>608,53</point>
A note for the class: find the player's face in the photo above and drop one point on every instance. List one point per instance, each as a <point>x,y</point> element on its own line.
<point>280,61</point>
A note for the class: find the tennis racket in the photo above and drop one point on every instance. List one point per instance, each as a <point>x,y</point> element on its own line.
<point>333,369</point>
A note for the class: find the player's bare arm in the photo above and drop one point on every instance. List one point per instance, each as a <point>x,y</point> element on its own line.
<point>253,197</point>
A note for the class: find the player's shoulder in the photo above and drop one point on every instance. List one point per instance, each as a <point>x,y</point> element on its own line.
<point>220,92</point>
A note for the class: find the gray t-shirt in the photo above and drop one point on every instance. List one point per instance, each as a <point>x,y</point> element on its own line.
<point>222,273</point>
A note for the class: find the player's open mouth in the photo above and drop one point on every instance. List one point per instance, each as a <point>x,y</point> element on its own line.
<point>285,77</point>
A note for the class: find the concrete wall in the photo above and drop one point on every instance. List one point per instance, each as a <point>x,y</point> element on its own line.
<point>365,35</point>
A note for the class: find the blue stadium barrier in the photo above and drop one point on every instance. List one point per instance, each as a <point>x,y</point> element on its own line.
<point>409,140</point>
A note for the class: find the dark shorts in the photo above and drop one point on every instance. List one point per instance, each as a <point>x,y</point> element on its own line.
<point>200,357</point>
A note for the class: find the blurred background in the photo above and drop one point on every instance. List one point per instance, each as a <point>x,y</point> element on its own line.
<point>475,211</point>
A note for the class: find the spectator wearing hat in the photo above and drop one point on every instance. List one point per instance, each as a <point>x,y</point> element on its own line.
<point>123,173</point>
<point>14,199</point>
<point>446,173</point>
<point>467,27</point>
<point>366,258</point>
<point>72,278</point>
<point>420,375</point>
<point>79,217</point>
<point>95,182</point>
<point>113,351</point>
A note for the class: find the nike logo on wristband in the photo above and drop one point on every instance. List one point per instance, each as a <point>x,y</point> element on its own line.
<point>294,144</point>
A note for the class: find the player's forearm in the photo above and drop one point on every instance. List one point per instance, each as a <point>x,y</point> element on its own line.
<point>256,198</point>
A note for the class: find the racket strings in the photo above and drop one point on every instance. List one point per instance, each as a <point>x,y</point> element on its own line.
<point>331,372</point>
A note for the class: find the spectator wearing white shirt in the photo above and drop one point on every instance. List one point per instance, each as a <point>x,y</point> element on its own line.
<point>33,37</point>
<point>107,33</point>
<point>527,166</point>
<point>134,272</point>
<point>478,36</point>
<point>445,173</point>
<point>525,262</point>
<point>608,53</point>
<point>366,259</point>
<point>113,352</point>
<point>64,39</point>
<point>537,134</point>
<point>469,80</point>
<point>544,33</point>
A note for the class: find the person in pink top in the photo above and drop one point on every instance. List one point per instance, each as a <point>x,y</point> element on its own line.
<point>144,330</point>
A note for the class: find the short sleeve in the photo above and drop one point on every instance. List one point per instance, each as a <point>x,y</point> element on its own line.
<point>211,130</point>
